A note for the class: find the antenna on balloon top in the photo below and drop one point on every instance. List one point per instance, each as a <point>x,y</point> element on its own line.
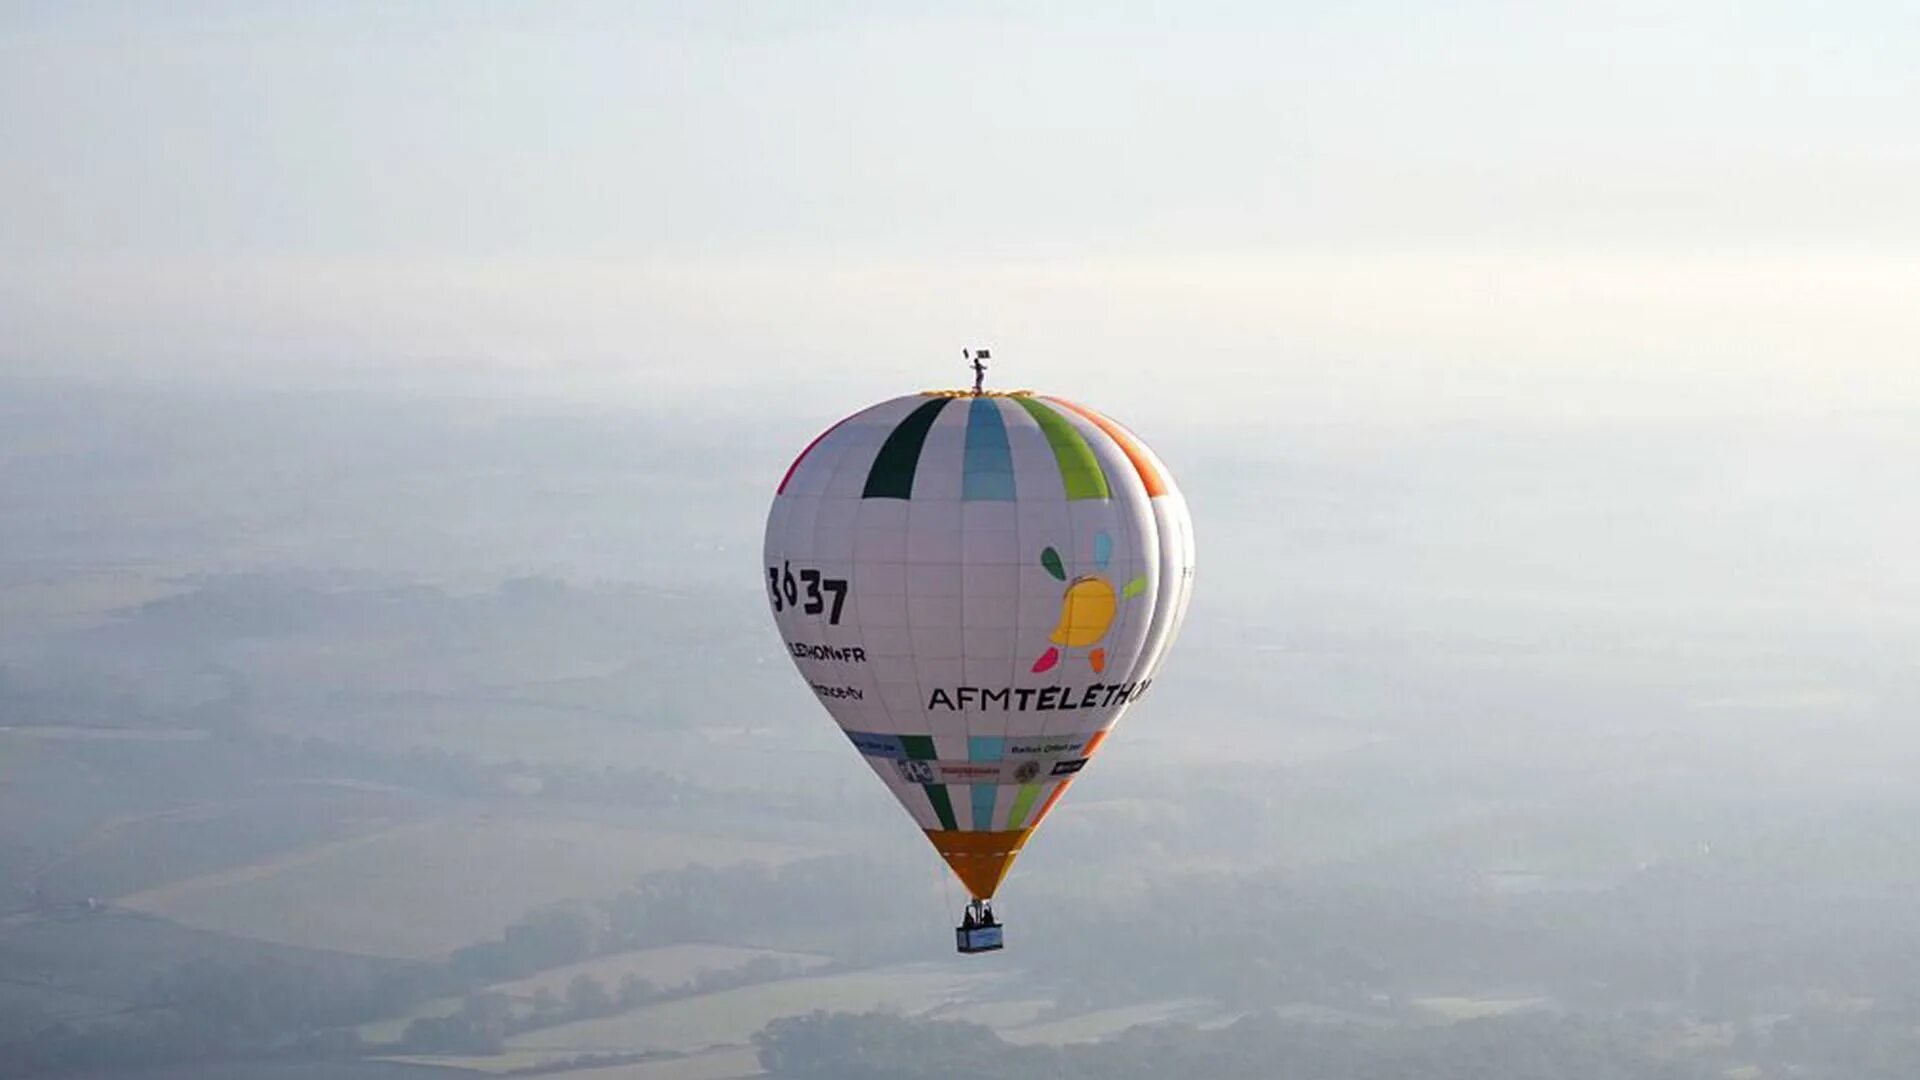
<point>979,358</point>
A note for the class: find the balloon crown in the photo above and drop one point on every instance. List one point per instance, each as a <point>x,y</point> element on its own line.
<point>976,393</point>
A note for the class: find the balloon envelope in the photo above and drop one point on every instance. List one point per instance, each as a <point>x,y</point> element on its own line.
<point>977,587</point>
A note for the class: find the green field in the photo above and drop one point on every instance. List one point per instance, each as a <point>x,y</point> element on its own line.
<point>494,1063</point>
<point>1455,1009</point>
<point>665,968</point>
<point>716,1030</point>
<point>730,1063</point>
<point>717,1065</point>
<point>393,1029</point>
<point>340,1069</point>
<point>731,1017</point>
<point>998,1015</point>
<point>1093,1026</point>
<point>494,730</point>
<point>135,853</point>
<point>490,731</point>
<point>423,889</point>
<point>75,965</point>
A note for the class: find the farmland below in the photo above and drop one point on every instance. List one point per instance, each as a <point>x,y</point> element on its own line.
<point>402,746</point>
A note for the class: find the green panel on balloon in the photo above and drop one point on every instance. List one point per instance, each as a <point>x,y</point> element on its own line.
<point>942,805</point>
<point>1022,802</point>
<point>1079,469</point>
<point>892,474</point>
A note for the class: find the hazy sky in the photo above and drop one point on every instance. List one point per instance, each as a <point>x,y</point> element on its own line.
<point>1394,212</point>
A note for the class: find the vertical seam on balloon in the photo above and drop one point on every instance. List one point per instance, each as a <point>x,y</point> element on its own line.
<point>1080,470</point>
<point>985,748</point>
<point>823,508</point>
<point>1056,430</point>
<point>1016,662</point>
<point>1058,722</point>
<point>1128,442</point>
<point>1172,595</point>
<point>893,467</point>
<point>1134,618</point>
<point>987,465</point>
<point>1167,520</point>
<point>892,718</point>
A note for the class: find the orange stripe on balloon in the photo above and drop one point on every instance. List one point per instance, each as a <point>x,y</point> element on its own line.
<point>1059,790</point>
<point>1136,453</point>
<point>1093,743</point>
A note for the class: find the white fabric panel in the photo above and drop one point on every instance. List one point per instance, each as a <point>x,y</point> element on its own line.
<point>937,478</point>
<point>949,604</point>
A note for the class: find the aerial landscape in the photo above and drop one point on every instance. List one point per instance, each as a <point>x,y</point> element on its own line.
<point>290,809</point>
<point>392,401</point>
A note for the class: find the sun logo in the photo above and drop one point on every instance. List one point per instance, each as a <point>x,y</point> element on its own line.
<point>1087,608</point>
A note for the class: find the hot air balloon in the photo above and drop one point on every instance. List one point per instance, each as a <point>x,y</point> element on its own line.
<point>977,585</point>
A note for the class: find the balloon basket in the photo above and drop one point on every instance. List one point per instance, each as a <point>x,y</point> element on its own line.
<point>978,939</point>
<point>979,931</point>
